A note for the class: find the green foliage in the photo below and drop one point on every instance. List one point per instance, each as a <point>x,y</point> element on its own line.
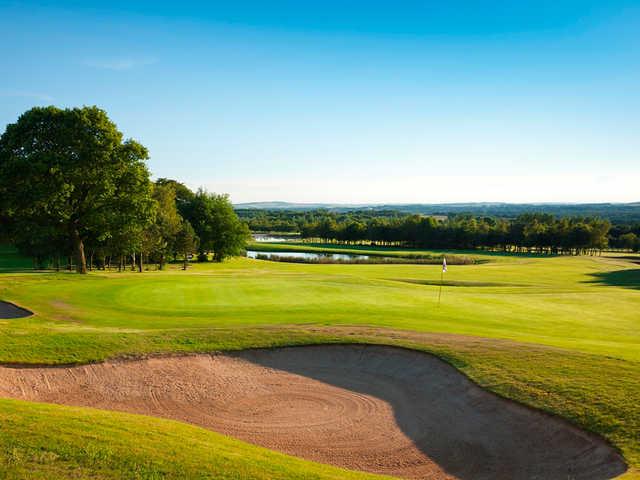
<point>530,232</point>
<point>67,177</point>
<point>217,225</point>
<point>11,260</point>
<point>290,213</point>
<point>630,241</point>
<point>159,238</point>
<point>183,195</point>
<point>70,185</point>
<point>186,242</point>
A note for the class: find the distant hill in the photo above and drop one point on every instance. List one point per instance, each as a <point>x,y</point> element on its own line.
<point>301,206</point>
<point>616,212</point>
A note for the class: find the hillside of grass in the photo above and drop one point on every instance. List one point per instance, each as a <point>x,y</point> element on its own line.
<point>41,441</point>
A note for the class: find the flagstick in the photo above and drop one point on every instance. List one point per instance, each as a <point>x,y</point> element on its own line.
<point>444,269</point>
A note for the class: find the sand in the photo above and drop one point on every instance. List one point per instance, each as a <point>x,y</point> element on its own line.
<point>372,408</point>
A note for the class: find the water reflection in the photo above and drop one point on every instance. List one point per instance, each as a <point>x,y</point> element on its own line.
<point>306,255</point>
<point>266,237</point>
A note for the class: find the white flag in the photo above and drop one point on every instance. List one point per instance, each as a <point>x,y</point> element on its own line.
<point>444,264</point>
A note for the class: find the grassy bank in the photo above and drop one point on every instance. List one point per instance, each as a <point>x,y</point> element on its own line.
<point>40,441</point>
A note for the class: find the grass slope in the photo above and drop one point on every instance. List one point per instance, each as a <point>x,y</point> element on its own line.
<point>562,334</point>
<point>40,441</point>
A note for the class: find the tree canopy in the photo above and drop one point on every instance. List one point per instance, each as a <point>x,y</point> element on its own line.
<point>217,225</point>
<point>70,182</point>
<point>68,176</point>
<point>529,232</point>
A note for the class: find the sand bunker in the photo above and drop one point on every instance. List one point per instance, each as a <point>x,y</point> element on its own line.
<point>9,310</point>
<point>378,409</point>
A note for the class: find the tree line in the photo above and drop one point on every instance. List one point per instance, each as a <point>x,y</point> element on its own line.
<point>625,237</point>
<point>73,190</point>
<point>541,233</point>
<point>292,221</point>
<point>616,213</point>
<point>530,231</point>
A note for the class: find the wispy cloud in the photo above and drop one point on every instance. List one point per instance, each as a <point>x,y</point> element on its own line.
<point>119,64</point>
<point>24,94</point>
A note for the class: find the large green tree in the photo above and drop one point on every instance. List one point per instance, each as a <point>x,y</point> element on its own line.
<point>183,195</point>
<point>218,227</point>
<point>160,236</point>
<point>186,242</point>
<point>70,172</point>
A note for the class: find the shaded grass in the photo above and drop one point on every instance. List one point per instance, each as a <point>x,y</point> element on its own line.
<point>619,278</point>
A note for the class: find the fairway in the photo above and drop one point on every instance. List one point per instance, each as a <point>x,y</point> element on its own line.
<point>576,303</point>
<point>561,334</point>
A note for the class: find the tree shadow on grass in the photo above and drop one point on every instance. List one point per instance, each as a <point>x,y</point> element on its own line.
<point>629,278</point>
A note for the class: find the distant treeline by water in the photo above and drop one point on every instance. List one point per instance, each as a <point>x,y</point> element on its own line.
<point>530,232</point>
<point>540,233</point>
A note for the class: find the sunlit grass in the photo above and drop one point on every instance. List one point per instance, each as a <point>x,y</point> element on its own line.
<point>569,326</point>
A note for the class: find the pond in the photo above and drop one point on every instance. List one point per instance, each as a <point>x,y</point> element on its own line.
<point>266,237</point>
<point>307,255</point>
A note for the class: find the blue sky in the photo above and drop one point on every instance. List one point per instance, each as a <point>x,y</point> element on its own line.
<point>349,101</point>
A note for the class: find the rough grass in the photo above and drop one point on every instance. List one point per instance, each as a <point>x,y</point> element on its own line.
<point>561,334</point>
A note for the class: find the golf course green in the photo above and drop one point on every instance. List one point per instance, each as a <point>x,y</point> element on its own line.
<point>559,333</point>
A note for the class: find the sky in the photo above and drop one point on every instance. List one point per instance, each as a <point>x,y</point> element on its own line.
<point>349,101</point>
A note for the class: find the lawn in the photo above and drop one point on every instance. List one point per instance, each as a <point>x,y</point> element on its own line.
<point>558,333</point>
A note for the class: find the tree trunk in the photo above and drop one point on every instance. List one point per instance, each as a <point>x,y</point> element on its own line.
<point>81,266</point>
<point>140,262</point>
